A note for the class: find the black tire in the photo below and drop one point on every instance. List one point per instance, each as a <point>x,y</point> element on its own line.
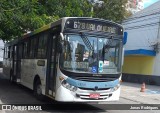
<point>38,91</point>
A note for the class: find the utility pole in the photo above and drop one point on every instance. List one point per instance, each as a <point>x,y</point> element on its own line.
<point>156,69</point>
<point>92,3</point>
<point>92,10</point>
<point>158,36</point>
<point>157,43</point>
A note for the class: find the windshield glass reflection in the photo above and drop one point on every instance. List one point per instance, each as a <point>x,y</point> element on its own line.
<point>87,54</point>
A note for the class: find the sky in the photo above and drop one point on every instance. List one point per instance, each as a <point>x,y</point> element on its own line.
<point>149,2</point>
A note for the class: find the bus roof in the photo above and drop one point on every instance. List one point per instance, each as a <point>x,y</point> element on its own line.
<point>56,23</point>
<point>46,27</point>
<point>62,22</point>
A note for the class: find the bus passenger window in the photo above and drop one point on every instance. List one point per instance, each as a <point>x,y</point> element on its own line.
<point>25,53</point>
<point>32,48</point>
<point>42,46</point>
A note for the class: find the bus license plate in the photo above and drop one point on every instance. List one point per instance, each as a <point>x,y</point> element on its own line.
<point>95,96</point>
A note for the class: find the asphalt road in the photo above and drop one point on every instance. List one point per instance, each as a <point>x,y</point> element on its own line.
<point>18,94</point>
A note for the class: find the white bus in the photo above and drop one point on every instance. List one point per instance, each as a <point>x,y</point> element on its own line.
<point>74,59</point>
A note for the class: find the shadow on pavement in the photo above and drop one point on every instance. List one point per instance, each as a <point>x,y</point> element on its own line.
<point>19,95</point>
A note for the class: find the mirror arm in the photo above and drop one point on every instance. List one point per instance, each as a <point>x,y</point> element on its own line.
<point>122,56</point>
<point>62,36</point>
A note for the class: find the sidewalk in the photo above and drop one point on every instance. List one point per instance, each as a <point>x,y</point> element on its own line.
<point>131,91</point>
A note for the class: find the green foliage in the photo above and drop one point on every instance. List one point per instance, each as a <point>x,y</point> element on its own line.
<point>19,16</point>
<point>114,10</point>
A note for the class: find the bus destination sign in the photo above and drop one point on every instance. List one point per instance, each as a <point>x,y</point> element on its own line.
<point>92,25</point>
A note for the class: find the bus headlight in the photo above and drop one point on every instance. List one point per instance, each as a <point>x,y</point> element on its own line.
<point>67,85</point>
<point>116,87</point>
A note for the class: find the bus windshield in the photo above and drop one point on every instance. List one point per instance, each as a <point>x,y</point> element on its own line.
<point>91,54</point>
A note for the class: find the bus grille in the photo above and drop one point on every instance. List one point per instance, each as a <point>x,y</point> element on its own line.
<point>93,79</point>
<point>94,89</point>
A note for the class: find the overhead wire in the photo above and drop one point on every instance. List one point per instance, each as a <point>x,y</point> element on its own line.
<point>157,11</point>
<point>141,18</point>
<point>126,23</point>
<point>142,26</point>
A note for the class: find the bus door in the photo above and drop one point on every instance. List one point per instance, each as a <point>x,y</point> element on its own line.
<point>16,62</point>
<point>51,66</point>
<point>14,56</point>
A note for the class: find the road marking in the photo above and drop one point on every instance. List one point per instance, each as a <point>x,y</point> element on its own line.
<point>148,95</point>
<point>2,111</point>
<point>132,96</point>
<point>1,102</point>
<point>153,91</point>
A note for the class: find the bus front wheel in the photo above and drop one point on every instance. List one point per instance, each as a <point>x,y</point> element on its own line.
<point>38,90</point>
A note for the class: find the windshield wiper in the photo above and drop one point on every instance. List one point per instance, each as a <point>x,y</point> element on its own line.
<point>86,42</point>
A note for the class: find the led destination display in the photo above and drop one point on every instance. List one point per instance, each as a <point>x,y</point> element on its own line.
<point>93,25</point>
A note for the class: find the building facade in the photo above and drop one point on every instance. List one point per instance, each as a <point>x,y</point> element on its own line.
<point>142,50</point>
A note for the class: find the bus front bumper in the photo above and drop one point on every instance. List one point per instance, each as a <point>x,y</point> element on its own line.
<point>65,95</point>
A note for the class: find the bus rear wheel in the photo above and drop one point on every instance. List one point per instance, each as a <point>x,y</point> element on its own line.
<point>38,90</point>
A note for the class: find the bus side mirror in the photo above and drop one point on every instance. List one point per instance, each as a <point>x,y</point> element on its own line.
<point>125,38</point>
<point>60,44</point>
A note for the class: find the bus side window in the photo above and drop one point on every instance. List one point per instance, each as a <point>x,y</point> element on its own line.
<point>6,55</point>
<point>32,49</point>
<point>5,52</point>
<point>42,46</point>
<point>9,52</point>
<point>20,53</point>
<point>25,49</point>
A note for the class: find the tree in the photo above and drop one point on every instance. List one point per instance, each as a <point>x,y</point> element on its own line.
<point>20,16</point>
<point>114,10</point>
<point>67,8</point>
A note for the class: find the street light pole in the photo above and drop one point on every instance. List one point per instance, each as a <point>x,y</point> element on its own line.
<point>92,11</point>
<point>93,2</point>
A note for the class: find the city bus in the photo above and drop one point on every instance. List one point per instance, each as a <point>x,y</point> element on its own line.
<point>75,59</point>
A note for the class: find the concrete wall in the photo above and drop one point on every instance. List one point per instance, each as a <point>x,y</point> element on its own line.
<point>142,65</point>
<point>143,33</point>
<point>139,69</point>
<point>156,66</point>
